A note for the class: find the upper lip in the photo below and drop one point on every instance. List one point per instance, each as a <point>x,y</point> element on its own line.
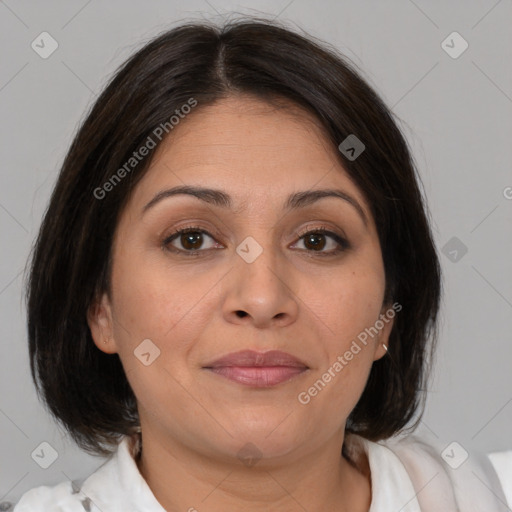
<point>255,358</point>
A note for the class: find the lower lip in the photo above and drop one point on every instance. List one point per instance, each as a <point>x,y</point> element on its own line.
<point>258,376</point>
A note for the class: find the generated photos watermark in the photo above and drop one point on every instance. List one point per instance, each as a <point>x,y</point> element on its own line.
<point>304,397</point>
<point>158,133</point>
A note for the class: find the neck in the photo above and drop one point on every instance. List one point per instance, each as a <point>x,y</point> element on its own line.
<point>183,479</point>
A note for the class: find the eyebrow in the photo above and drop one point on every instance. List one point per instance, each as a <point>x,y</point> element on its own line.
<point>219,198</point>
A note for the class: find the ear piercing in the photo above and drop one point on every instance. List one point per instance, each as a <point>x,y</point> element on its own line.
<point>385,347</point>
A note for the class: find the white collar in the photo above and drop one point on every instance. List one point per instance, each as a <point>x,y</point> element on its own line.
<point>401,478</point>
<point>119,481</point>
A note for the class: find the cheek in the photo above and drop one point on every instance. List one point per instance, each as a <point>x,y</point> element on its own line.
<point>156,301</point>
<point>338,384</point>
<point>349,304</point>
<point>348,307</point>
<point>168,308</point>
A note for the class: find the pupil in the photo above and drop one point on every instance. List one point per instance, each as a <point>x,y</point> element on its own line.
<point>317,241</point>
<point>191,240</point>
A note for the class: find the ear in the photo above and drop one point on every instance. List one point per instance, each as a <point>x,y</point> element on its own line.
<point>100,320</point>
<point>387,317</point>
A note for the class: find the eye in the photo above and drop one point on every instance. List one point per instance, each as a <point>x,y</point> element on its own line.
<point>190,239</point>
<point>317,240</point>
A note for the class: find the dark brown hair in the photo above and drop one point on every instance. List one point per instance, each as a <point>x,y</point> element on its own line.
<point>85,389</point>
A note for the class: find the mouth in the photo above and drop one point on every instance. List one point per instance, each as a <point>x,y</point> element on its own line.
<point>258,369</point>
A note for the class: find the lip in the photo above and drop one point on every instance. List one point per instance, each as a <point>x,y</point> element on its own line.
<point>258,369</point>
<point>258,359</point>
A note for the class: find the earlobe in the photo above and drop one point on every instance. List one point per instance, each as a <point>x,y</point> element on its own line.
<point>99,318</point>
<point>382,344</point>
<point>380,351</point>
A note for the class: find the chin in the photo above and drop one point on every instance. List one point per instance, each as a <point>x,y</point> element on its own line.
<point>263,441</point>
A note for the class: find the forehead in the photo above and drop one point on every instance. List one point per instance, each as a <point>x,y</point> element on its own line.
<point>254,150</point>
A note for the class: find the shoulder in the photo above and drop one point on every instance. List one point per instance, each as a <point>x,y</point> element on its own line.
<point>75,496</point>
<point>70,496</point>
<point>463,477</point>
<point>444,475</point>
<point>110,483</point>
<point>62,497</point>
<point>502,463</point>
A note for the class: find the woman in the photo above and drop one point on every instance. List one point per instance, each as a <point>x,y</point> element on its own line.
<point>235,291</point>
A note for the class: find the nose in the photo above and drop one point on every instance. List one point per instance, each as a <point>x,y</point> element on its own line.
<point>261,293</point>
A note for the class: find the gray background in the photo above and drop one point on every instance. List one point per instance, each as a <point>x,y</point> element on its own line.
<point>456,114</point>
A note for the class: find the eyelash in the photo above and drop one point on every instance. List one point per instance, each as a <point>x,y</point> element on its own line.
<point>343,244</point>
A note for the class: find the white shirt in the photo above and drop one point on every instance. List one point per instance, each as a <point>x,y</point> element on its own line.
<point>406,474</point>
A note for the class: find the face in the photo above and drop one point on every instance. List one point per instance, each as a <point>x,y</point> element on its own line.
<point>256,272</point>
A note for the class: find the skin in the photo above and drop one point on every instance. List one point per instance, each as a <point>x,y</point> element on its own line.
<point>194,422</point>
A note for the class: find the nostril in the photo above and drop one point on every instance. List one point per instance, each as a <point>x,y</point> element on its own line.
<point>241,314</point>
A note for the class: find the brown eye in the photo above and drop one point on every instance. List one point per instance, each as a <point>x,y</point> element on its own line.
<point>319,239</point>
<point>315,241</point>
<point>190,240</point>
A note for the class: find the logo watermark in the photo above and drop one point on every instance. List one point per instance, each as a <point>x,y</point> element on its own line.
<point>137,156</point>
<point>304,397</point>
